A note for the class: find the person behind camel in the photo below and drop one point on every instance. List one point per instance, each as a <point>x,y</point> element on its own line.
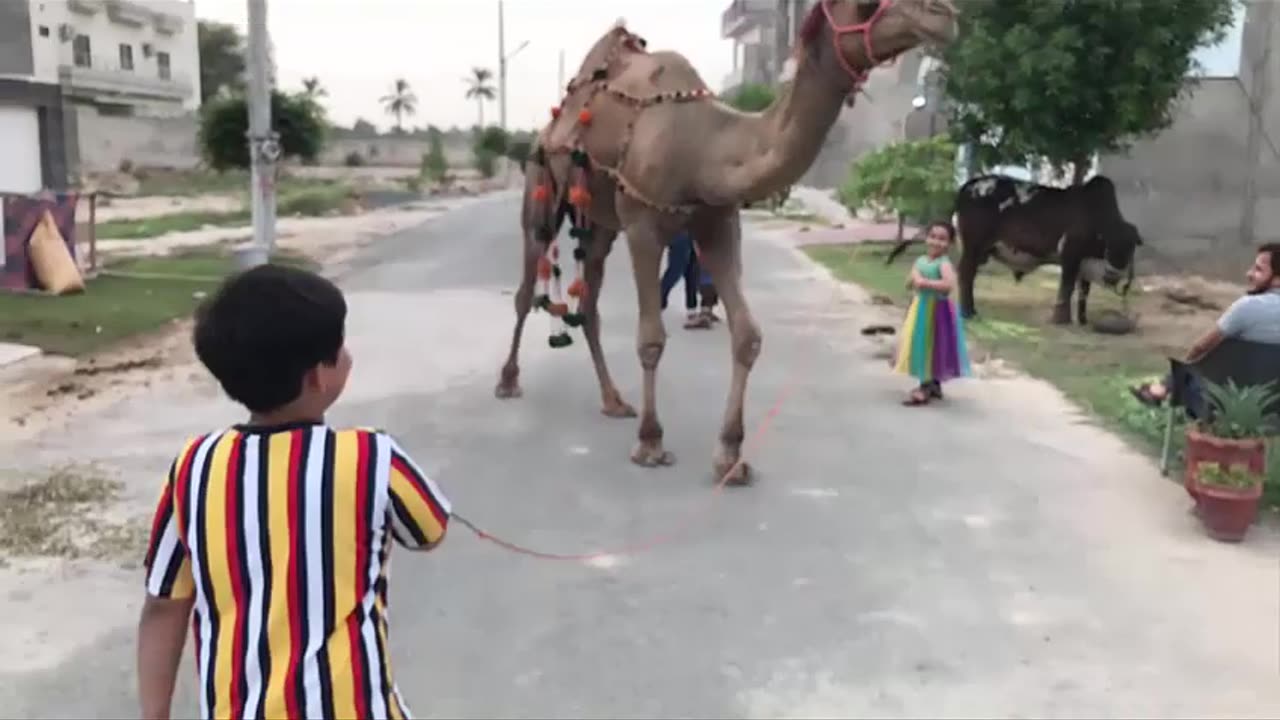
<point>933,347</point>
<point>682,264</point>
<point>1255,317</point>
<point>277,531</point>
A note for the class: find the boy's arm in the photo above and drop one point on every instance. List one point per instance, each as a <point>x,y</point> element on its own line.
<point>162,627</point>
<point>419,510</point>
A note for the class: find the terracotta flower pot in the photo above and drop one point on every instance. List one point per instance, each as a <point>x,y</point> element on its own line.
<point>1201,447</point>
<point>1227,513</point>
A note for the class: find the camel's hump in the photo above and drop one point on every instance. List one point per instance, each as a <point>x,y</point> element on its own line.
<point>648,74</point>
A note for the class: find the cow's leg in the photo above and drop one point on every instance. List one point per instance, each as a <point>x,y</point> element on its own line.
<point>968,272</point>
<point>1082,302</point>
<point>1066,287</point>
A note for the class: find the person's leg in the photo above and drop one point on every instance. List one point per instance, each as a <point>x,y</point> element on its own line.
<point>691,274</point>
<point>671,275</point>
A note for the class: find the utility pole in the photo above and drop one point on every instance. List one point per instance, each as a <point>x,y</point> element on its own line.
<point>503,58</point>
<point>264,146</point>
<point>560,77</point>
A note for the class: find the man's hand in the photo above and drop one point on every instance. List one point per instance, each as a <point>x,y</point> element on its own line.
<point>162,632</point>
<point>1207,342</point>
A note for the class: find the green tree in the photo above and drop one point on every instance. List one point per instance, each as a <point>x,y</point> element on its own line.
<point>434,164</point>
<point>480,89</point>
<point>1031,79</point>
<point>224,123</point>
<point>222,59</point>
<point>312,88</point>
<point>400,102</point>
<point>916,179</point>
<point>750,97</point>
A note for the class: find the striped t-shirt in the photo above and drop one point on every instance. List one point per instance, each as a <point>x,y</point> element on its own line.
<point>281,537</point>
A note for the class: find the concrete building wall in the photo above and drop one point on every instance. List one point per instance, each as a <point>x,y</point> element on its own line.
<point>1206,191</point>
<point>104,142</point>
<point>394,151</point>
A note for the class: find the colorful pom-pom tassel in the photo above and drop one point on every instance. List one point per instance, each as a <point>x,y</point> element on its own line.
<point>584,117</point>
<point>577,288</point>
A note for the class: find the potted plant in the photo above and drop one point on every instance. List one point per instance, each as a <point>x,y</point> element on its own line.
<point>1227,457</point>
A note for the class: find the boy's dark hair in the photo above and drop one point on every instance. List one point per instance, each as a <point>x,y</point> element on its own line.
<point>945,225</point>
<point>265,328</point>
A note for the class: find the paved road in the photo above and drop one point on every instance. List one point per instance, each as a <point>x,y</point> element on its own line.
<point>996,557</point>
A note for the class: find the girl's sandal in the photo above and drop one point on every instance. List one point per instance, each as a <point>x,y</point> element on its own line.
<point>935,392</point>
<point>917,397</point>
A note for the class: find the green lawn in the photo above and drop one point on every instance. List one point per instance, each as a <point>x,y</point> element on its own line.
<point>114,307</point>
<point>1093,370</point>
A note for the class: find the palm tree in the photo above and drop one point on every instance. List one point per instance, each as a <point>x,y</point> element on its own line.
<point>400,102</point>
<point>480,89</point>
<point>312,88</point>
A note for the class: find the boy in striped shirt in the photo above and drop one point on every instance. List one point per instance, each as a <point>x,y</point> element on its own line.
<point>277,532</point>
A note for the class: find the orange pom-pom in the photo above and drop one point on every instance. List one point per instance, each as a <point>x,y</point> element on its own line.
<point>558,309</point>
<point>541,193</point>
<point>584,117</point>
<point>555,112</point>
<point>577,288</point>
<point>544,268</point>
<point>578,196</point>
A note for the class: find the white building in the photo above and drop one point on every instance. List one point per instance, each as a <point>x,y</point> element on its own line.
<point>66,63</point>
<point>751,25</point>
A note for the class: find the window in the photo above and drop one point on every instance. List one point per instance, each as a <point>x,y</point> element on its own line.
<point>162,63</point>
<point>126,56</point>
<point>44,31</point>
<point>81,52</point>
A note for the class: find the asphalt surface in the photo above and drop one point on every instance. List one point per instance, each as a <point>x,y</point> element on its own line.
<point>992,557</point>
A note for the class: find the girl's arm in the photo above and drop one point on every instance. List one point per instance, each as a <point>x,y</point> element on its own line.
<point>943,285</point>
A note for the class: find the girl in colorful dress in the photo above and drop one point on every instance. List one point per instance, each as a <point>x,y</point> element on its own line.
<point>932,348</point>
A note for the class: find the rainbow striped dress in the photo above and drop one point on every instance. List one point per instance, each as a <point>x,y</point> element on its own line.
<point>932,344</point>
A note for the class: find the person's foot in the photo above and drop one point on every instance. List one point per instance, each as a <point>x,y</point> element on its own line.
<point>919,396</point>
<point>710,315</point>
<point>697,321</point>
<point>1151,394</point>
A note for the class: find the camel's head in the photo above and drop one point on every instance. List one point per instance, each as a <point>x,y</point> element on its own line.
<point>613,43</point>
<point>866,33</point>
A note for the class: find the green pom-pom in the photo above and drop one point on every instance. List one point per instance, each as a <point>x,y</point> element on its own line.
<point>579,157</point>
<point>542,302</point>
<point>555,271</point>
<point>560,341</point>
<point>580,233</point>
<point>575,320</point>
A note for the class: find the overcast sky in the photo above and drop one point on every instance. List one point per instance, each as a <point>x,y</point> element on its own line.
<point>358,47</point>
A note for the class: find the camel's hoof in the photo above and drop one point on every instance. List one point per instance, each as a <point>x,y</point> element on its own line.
<point>736,473</point>
<point>651,455</point>
<point>618,409</point>
<point>507,391</point>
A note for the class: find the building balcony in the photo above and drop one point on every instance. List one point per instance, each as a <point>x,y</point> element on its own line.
<point>742,15</point>
<point>167,23</point>
<point>128,13</point>
<point>85,7</point>
<point>105,79</point>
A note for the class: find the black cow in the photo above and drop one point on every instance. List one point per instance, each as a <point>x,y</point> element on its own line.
<point>1025,225</point>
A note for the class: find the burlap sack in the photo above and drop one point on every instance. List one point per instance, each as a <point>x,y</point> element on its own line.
<point>54,267</point>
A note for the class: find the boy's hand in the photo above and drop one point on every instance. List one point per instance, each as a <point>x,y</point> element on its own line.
<point>162,632</point>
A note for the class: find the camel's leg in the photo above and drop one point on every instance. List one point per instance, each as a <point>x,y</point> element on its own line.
<point>722,255</point>
<point>509,380</point>
<point>597,253</point>
<point>646,244</point>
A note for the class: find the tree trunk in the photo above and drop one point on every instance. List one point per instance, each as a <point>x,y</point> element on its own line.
<point>1080,169</point>
<point>480,107</point>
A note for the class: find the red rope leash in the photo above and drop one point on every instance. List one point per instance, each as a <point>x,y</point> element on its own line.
<point>635,548</point>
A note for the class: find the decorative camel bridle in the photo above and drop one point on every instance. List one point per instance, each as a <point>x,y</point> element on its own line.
<point>548,273</point>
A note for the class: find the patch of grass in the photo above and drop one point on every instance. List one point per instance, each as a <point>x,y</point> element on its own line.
<point>114,307</point>
<point>63,515</point>
<point>187,183</point>
<point>305,198</point>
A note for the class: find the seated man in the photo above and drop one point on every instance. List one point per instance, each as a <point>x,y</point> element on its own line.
<point>1253,318</point>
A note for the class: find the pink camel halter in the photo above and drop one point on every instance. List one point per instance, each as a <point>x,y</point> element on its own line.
<point>865,27</point>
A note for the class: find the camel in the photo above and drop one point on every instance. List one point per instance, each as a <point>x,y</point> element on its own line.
<point>650,152</point>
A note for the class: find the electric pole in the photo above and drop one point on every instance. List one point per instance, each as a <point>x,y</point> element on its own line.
<point>560,77</point>
<point>264,148</point>
<point>502,68</point>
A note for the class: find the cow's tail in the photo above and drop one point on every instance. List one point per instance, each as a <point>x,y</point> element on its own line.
<point>907,242</point>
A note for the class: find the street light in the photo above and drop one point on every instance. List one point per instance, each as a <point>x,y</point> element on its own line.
<point>503,57</point>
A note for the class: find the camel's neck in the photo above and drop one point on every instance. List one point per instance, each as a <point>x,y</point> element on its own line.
<point>756,155</point>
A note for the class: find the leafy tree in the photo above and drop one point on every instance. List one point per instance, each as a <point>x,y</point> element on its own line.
<point>480,89</point>
<point>402,101</point>
<point>434,164</point>
<point>916,179</point>
<point>312,88</point>
<point>492,139</point>
<point>225,122</point>
<point>364,127</point>
<point>751,97</point>
<point>519,147</point>
<point>1031,79</point>
<point>222,59</point>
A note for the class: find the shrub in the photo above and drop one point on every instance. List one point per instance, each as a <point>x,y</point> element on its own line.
<point>914,178</point>
<point>353,159</point>
<point>486,162</point>
<point>224,123</point>
<point>434,164</point>
<point>751,97</point>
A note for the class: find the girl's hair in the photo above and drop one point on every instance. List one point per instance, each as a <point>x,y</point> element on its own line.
<point>951,230</point>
